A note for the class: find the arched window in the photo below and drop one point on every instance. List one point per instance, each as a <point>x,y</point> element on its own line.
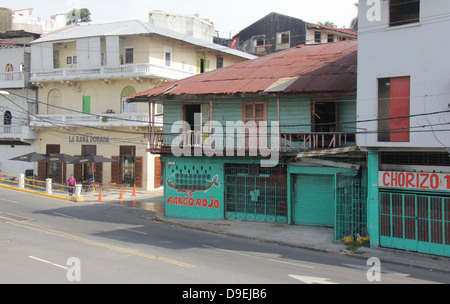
<point>7,120</point>
<point>127,107</point>
<point>54,102</point>
<point>9,69</point>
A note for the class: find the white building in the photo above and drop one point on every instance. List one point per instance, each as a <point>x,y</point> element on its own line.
<point>192,26</point>
<point>84,74</point>
<point>16,137</point>
<point>404,121</point>
<point>22,20</point>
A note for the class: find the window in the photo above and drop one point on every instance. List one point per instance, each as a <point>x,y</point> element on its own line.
<point>404,12</point>
<point>129,53</point>
<point>125,106</point>
<point>253,111</point>
<point>167,56</point>
<point>283,40</point>
<point>219,64</point>
<point>9,69</point>
<point>202,63</point>
<point>317,37</point>
<point>53,170</point>
<point>330,38</point>
<point>394,109</point>
<point>88,170</point>
<point>324,116</point>
<point>7,120</point>
<point>127,164</point>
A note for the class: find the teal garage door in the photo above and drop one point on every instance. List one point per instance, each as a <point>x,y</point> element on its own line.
<point>314,202</point>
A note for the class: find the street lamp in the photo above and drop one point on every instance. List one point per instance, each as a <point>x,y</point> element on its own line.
<point>4,93</point>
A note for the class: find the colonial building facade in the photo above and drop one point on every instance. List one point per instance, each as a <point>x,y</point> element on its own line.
<point>84,74</point>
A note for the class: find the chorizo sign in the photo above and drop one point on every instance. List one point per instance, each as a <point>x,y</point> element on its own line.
<point>414,180</point>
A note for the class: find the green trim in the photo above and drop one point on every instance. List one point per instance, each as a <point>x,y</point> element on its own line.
<point>373,212</point>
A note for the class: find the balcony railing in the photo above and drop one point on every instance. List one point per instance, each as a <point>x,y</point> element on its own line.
<point>93,120</point>
<point>105,72</point>
<point>12,80</point>
<point>17,132</point>
<point>289,143</point>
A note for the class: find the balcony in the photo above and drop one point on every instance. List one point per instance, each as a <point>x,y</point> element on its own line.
<point>10,80</point>
<point>94,120</point>
<point>17,132</point>
<point>290,143</point>
<point>123,71</point>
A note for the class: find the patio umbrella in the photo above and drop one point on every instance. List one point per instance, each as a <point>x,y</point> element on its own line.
<point>59,158</point>
<point>92,159</point>
<point>30,157</point>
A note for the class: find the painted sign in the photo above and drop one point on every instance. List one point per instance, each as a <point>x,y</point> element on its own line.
<point>89,139</point>
<point>194,188</point>
<point>414,180</point>
<point>201,185</point>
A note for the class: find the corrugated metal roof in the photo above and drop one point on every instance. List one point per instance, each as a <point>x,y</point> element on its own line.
<point>132,27</point>
<point>322,68</point>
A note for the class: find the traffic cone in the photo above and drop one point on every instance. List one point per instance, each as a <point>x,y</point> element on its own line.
<point>134,190</point>
<point>100,196</point>
<point>121,193</point>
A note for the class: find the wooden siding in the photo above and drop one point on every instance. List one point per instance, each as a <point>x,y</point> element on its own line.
<point>295,112</point>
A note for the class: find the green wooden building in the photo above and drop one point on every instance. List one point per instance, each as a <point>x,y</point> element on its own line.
<point>270,140</point>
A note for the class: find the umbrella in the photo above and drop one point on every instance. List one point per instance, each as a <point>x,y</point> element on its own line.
<point>59,158</point>
<point>30,157</point>
<point>92,159</point>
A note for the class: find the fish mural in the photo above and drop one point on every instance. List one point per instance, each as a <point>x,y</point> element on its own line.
<point>195,183</point>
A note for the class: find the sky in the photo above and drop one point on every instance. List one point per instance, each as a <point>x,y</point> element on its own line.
<point>229,17</point>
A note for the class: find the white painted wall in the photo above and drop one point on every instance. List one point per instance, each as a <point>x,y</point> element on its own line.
<point>419,50</point>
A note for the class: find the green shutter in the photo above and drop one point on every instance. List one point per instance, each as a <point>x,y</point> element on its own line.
<point>314,200</point>
<point>87,104</point>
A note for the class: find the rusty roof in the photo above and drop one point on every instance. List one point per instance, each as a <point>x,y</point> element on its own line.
<point>305,69</point>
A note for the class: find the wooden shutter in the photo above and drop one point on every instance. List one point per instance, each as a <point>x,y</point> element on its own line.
<point>400,107</point>
<point>99,173</point>
<point>77,170</point>
<point>157,172</point>
<point>115,170</point>
<point>138,171</point>
<point>86,104</point>
<point>42,171</point>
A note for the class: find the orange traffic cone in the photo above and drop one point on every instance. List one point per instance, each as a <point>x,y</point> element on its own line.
<point>134,190</point>
<point>100,196</point>
<point>121,193</point>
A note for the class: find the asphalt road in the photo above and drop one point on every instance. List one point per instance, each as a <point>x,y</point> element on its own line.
<point>45,240</point>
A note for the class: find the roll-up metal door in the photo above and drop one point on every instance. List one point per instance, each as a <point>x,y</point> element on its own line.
<point>314,200</point>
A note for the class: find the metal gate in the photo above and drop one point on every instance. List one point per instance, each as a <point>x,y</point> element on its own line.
<point>256,194</point>
<point>415,221</point>
<point>351,207</point>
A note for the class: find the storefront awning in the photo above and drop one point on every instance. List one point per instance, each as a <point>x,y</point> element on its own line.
<point>327,152</point>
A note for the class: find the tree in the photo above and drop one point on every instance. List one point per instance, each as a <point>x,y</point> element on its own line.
<point>354,23</point>
<point>327,23</point>
<point>76,16</point>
